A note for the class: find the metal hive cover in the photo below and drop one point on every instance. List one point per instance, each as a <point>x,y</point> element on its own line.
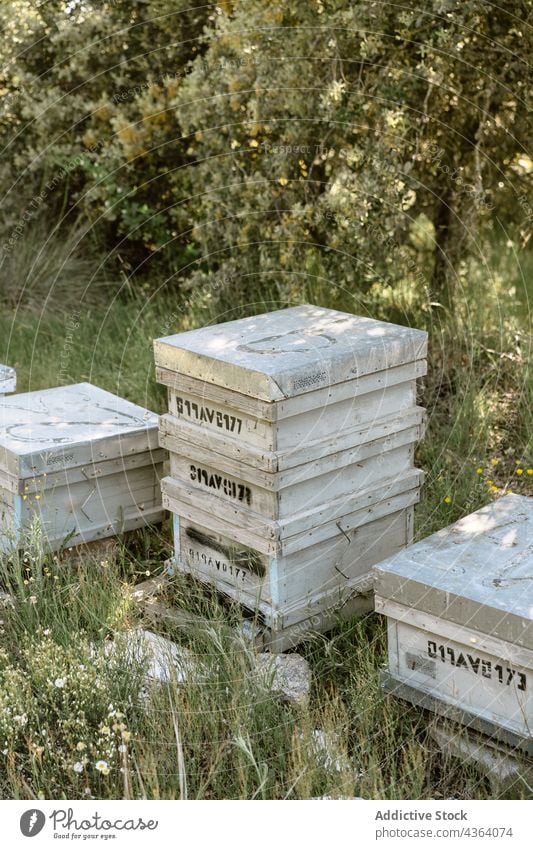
<point>70,426</point>
<point>477,572</point>
<point>285,353</point>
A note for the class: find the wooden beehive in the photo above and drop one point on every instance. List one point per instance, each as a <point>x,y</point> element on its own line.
<point>289,376</point>
<point>291,439</point>
<point>8,379</point>
<point>281,426</point>
<point>278,485</point>
<point>291,571</point>
<point>82,462</point>
<point>459,607</point>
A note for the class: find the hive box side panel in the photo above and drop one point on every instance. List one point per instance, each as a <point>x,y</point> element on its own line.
<point>234,430</point>
<point>88,510</point>
<point>183,438</point>
<point>242,572</point>
<point>301,496</point>
<point>293,585</point>
<point>272,537</point>
<point>225,400</point>
<point>10,520</point>
<point>289,352</point>
<point>346,558</point>
<point>472,680</point>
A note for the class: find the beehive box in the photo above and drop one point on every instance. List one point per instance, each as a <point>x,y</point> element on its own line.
<point>8,379</point>
<point>459,607</point>
<point>282,379</point>
<point>83,462</point>
<point>289,570</point>
<point>320,473</point>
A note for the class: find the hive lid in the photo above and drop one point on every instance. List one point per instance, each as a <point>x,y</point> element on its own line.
<point>8,379</point>
<point>70,426</point>
<point>289,352</point>
<point>477,573</point>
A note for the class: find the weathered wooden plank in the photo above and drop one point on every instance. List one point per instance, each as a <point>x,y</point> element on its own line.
<point>476,573</point>
<point>8,379</point>
<point>289,352</point>
<point>427,701</point>
<point>332,455</point>
<point>282,495</point>
<point>426,622</point>
<point>91,471</point>
<point>273,537</point>
<point>175,433</point>
<point>223,398</point>
<point>285,587</point>
<point>488,685</point>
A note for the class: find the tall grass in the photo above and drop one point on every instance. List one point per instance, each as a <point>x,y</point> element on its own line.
<point>223,733</point>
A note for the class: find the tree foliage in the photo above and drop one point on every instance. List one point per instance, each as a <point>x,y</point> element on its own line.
<point>332,143</point>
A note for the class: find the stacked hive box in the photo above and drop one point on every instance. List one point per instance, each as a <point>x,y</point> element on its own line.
<point>459,607</point>
<point>8,379</point>
<point>83,462</point>
<point>291,437</point>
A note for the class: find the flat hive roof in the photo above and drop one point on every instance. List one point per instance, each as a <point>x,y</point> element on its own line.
<point>52,423</point>
<point>285,353</point>
<point>477,572</point>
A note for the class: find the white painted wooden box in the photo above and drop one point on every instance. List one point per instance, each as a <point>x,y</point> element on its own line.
<point>279,380</point>
<point>319,478</point>
<point>459,606</point>
<point>83,462</point>
<point>307,566</point>
<point>8,379</point>
<point>280,426</point>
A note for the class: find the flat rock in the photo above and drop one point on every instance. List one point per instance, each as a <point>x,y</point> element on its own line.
<point>167,661</point>
<point>287,675</point>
